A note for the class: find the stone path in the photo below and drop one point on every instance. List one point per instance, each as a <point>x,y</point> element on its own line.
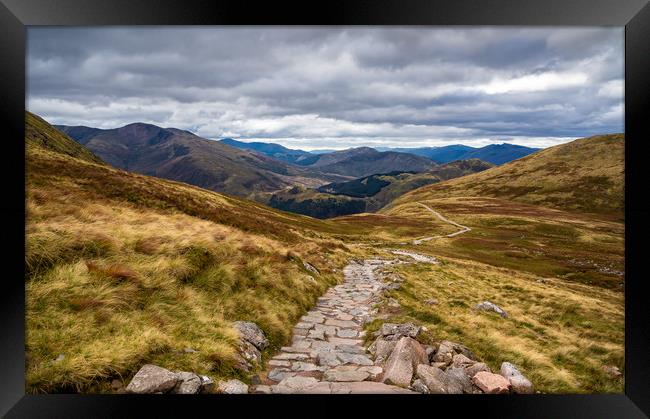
<point>327,353</point>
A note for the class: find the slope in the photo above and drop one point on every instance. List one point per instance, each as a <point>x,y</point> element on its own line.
<point>585,175</point>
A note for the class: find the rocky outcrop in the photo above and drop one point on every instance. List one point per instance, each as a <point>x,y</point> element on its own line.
<point>232,387</point>
<point>403,361</point>
<point>252,342</point>
<point>519,383</point>
<point>152,379</point>
<point>488,306</point>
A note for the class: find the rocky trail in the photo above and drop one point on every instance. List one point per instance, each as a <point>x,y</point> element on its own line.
<point>327,353</point>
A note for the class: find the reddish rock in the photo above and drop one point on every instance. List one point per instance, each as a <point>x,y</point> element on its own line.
<point>491,383</point>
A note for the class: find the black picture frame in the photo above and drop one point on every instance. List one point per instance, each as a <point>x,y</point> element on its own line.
<point>16,15</point>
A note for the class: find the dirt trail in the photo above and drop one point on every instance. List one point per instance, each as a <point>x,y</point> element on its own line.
<point>463,229</point>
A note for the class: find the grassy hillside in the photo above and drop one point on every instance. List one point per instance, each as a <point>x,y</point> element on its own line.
<point>585,175</point>
<point>124,269</point>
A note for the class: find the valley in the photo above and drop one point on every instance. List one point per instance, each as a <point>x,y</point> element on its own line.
<point>133,258</point>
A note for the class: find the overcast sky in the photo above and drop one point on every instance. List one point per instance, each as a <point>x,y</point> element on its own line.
<point>335,87</point>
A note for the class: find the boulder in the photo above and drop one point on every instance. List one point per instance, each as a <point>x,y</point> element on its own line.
<point>477,367</point>
<point>488,306</point>
<point>250,354</point>
<point>395,331</point>
<point>207,384</point>
<point>433,378</point>
<point>458,380</point>
<point>383,349</point>
<point>491,383</point>
<point>447,350</point>
<point>403,361</point>
<point>152,379</point>
<point>461,361</point>
<point>520,384</point>
<point>251,332</point>
<point>189,383</point>
<point>232,387</point>
<point>612,371</point>
<point>311,268</point>
<point>419,386</point>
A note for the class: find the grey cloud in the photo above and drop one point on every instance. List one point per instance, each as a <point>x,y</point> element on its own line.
<point>334,86</point>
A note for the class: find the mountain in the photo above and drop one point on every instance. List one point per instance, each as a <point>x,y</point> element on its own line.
<point>493,153</point>
<point>585,175</point>
<point>368,193</point>
<point>365,161</point>
<point>180,155</point>
<point>269,149</point>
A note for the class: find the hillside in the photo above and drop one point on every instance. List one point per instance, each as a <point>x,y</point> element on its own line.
<point>366,161</point>
<point>180,155</point>
<point>366,194</point>
<point>39,133</point>
<point>269,149</point>
<point>493,153</point>
<point>585,175</point>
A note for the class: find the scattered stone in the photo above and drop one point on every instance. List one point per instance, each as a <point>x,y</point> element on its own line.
<point>403,361</point>
<point>59,358</point>
<point>419,386</point>
<point>256,380</point>
<point>491,383</point>
<point>394,331</point>
<point>612,371</point>
<point>207,384</point>
<point>520,384</point>
<point>488,306</point>
<point>478,367</point>
<point>431,301</point>
<point>433,378</point>
<point>152,379</point>
<point>311,268</point>
<point>232,387</point>
<point>116,384</point>
<point>251,332</point>
<point>262,389</point>
<point>461,361</point>
<point>189,350</point>
<point>189,383</point>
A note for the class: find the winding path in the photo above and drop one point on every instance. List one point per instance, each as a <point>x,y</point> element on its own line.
<point>327,354</point>
<point>463,229</point>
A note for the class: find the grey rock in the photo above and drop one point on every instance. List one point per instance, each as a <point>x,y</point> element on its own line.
<point>327,358</point>
<point>520,384</point>
<point>189,350</point>
<point>250,353</point>
<point>279,374</point>
<point>419,386</point>
<point>311,268</point>
<point>441,382</point>
<point>488,306</point>
<point>207,384</point>
<point>403,361</point>
<point>352,349</point>
<point>357,359</point>
<point>152,379</point>
<point>458,381</point>
<point>395,331</point>
<point>461,361</point>
<point>476,368</point>
<point>262,389</point>
<point>189,383</point>
<point>338,375</point>
<point>347,333</point>
<point>251,332</point>
<point>431,301</point>
<point>232,387</point>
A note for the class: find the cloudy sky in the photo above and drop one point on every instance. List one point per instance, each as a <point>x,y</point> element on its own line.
<point>335,87</point>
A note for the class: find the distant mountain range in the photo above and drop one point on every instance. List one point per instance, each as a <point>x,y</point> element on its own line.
<point>182,156</point>
<point>494,153</point>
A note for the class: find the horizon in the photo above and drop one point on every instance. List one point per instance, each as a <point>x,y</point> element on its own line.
<point>313,88</point>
